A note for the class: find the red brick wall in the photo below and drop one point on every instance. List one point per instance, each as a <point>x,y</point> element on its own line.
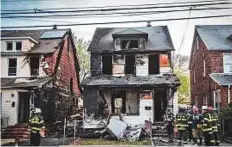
<point>66,68</point>
<point>205,85</point>
<point>201,87</point>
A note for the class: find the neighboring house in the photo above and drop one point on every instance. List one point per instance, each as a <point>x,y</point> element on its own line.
<point>39,68</point>
<point>211,66</point>
<point>131,73</point>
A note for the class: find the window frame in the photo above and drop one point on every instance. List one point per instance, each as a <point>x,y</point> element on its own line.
<point>204,67</point>
<point>197,43</point>
<point>129,39</point>
<point>12,67</point>
<point>194,75</point>
<point>224,63</point>
<point>16,42</point>
<point>12,45</point>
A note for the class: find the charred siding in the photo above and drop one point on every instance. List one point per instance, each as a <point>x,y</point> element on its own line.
<point>96,64</point>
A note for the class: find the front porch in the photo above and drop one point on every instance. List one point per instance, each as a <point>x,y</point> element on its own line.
<point>134,105</point>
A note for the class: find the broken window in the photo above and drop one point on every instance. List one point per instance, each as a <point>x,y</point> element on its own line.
<point>130,64</point>
<point>9,46</point>
<point>18,46</point>
<point>107,65</point>
<point>119,101</point>
<point>154,64</point>
<point>12,67</point>
<point>34,66</point>
<point>129,44</point>
<point>118,64</point>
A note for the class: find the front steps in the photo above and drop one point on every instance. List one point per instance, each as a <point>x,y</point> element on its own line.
<point>20,131</point>
<point>159,129</point>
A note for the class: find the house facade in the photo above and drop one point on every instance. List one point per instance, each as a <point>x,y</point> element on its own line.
<point>39,68</point>
<point>211,66</point>
<point>131,74</point>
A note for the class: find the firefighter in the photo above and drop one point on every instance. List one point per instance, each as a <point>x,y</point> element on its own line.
<point>182,124</point>
<point>215,125</point>
<point>189,128</point>
<point>207,126</point>
<point>196,119</point>
<point>37,124</point>
<point>169,120</point>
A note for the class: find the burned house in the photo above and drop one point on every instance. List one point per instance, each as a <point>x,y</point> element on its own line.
<point>39,68</point>
<point>131,74</point>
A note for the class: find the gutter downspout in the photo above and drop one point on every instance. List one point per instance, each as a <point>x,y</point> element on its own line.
<point>229,96</point>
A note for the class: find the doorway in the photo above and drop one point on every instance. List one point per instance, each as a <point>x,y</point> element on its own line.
<point>130,64</point>
<point>118,102</point>
<point>24,107</point>
<point>160,105</point>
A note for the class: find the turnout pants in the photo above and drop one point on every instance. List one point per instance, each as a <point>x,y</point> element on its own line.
<point>197,134</point>
<point>216,138</point>
<point>35,139</point>
<point>182,135</point>
<point>170,129</point>
<point>208,137</point>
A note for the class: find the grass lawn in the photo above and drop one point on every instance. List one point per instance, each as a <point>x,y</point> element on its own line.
<point>109,142</point>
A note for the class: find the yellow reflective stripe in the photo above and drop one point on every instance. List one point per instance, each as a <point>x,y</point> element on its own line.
<point>212,141</point>
<point>214,127</point>
<point>189,122</point>
<point>183,119</point>
<point>36,128</point>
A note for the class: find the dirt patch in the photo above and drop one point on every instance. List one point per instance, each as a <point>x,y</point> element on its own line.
<point>81,141</point>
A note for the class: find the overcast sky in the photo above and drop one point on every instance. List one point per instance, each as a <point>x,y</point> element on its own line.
<point>176,28</point>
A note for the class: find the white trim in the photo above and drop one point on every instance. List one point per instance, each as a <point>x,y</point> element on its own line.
<point>14,38</point>
<point>204,68</point>
<point>228,54</point>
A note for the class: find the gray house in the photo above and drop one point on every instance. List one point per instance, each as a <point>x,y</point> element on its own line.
<point>131,74</point>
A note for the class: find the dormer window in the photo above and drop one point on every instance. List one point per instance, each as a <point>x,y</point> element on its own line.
<point>129,44</point>
<point>9,46</point>
<point>18,46</point>
<point>130,39</point>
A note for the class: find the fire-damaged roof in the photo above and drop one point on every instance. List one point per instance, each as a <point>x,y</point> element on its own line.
<point>24,82</point>
<point>46,40</point>
<point>131,81</point>
<point>216,37</point>
<point>222,79</point>
<point>159,38</point>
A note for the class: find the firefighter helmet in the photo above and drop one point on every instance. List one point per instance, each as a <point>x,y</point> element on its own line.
<point>211,108</point>
<point>204,108</point>
<point>37,110</point>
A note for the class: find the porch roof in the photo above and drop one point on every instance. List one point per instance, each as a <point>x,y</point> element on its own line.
<point>24,82</point>
<point>222,79</point>
<point>132,81</point>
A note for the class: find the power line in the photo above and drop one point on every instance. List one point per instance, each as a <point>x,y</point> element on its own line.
<point>118,22</point>
<point>118,13</point>
<point>148,4</point>
<point>37,11</point>
<point>183,37</point>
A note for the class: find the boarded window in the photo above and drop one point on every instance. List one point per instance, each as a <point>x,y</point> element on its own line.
<point>129,44</point>
<point>34,66</point>
<point>154,64</point>
<point>12,67</point>
<point>130,64</point>
<point>9,46</point>
<point>107,65</point>
<point>118,64</point>
<point>18,46</point>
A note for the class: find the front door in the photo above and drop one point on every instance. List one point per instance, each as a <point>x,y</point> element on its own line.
<point>24,107</point>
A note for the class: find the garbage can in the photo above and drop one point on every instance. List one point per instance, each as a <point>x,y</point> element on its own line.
<point>4,122</point>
